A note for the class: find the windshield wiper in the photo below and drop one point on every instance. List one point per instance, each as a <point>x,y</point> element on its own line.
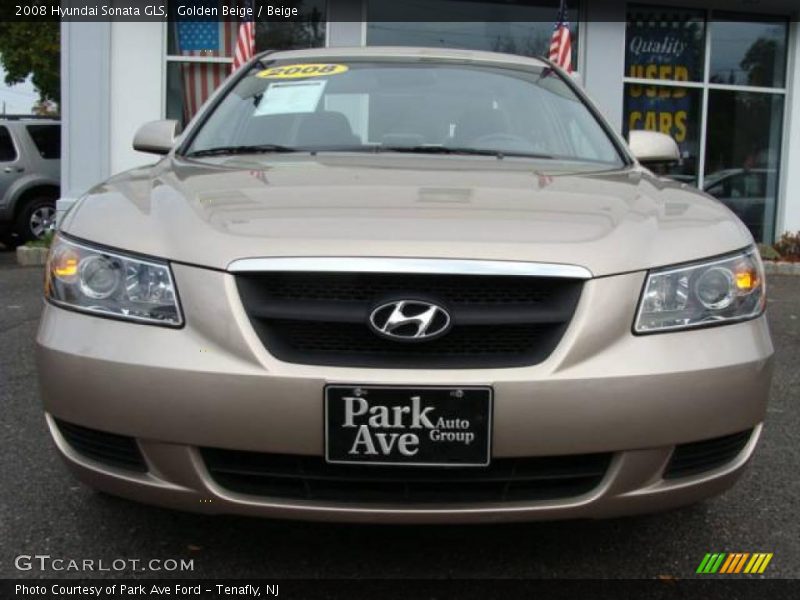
<point>254,149</point>
<point>278,149</point>
<point>458,150</point>
<point>436,150</point>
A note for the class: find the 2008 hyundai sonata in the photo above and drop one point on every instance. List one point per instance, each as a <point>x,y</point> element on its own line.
<point>403,285</point>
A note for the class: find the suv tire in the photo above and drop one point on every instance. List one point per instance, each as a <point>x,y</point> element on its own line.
<point>34,220</point>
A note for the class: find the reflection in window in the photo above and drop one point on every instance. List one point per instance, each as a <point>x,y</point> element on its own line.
<point>192,36</point>
<point>664,43</point>
<point>517,26</point>
<point>191,82</point>
<point>743,154</point>
<point>671,110</point>
<point>748,52</point>
<point>294,35</point>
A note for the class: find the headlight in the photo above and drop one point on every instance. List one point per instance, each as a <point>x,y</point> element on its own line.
<point>108,283</point>
<point>716,291</point>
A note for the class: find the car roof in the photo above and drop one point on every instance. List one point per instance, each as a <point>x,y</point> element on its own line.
<point>410,52</point>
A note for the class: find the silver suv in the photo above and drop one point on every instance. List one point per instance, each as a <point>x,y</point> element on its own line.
<point>30,166</point>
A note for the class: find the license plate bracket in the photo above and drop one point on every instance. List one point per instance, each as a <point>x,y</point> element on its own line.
<point>408,426</point>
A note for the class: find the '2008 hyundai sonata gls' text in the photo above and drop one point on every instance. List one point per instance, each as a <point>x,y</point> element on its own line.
<point>403,285</point>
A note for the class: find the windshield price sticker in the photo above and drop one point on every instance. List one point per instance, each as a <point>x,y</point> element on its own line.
<point>298,71</point>
<point>286,97</point>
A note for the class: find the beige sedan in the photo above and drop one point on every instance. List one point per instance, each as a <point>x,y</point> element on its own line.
<point>403,285</point>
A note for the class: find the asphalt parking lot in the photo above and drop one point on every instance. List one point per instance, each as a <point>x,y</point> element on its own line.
<point>44,511</point>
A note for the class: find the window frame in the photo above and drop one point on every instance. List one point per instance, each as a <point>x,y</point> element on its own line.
<point>706,87</point>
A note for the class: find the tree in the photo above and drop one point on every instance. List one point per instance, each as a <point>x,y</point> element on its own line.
<point>32,49</point>
<point>759,62</point>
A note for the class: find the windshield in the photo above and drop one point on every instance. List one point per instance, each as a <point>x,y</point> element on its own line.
<point>411,106</point>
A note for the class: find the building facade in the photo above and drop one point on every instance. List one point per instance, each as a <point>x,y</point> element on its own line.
<point>721,76</point>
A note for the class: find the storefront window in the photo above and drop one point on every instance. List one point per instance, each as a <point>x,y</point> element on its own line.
<point>743,154</point>
<point>748,52</point>
<point>672,110</point>
<point>664,43</point>
<point>514,26</point>
<point>727,115</point>
<point>200,52</point>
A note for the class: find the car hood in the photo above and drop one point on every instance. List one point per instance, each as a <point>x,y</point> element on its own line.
<point>211,212</point>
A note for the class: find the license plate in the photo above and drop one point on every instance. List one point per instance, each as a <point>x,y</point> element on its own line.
<point>412,426</point>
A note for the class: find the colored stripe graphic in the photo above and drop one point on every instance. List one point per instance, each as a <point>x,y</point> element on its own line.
<point>703,563</point>
<point>731,560</point>
<point>711,563</point>
<point>741,562</point>
<point>734,562</point>
<point>758,563</point>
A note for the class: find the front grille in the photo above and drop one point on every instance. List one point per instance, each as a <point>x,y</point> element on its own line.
<point>108,448</point>
<point>311,478</point>
<point>697,457</point>
<point>366,287</point>
<point>322,318</point>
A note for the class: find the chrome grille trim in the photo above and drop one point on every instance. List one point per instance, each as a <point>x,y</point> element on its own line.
<point>425,266</point>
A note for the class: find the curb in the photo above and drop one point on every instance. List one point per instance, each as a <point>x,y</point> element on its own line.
<point>781,268</point>
<point>31,257</point>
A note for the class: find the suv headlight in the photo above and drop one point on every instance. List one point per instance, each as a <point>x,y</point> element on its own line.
<point>111,284</point>
<point>712,292</point>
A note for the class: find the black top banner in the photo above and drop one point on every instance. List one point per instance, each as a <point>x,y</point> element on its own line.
<point>531,11</point>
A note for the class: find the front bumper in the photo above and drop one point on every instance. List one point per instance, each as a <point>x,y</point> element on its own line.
<point>212,384</point>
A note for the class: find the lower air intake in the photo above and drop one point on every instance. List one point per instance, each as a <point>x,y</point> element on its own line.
<point>311,478</point>
<point>697,457</point>
<point>120,451</point>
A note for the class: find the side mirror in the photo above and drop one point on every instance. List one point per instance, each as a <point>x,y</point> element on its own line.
<point>156,137</point>
<point>653,147</point>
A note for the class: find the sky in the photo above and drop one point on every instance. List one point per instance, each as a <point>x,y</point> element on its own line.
<point>18,99</point>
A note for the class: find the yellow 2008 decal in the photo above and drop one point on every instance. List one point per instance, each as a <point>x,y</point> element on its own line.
<point>298,71</point>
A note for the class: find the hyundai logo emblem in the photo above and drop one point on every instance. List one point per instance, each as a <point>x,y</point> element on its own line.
<point>410,320</point>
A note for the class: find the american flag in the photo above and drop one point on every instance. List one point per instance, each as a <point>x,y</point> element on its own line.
<point>210,39</point>
<point>561,42</point>
<point>246,42</point>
